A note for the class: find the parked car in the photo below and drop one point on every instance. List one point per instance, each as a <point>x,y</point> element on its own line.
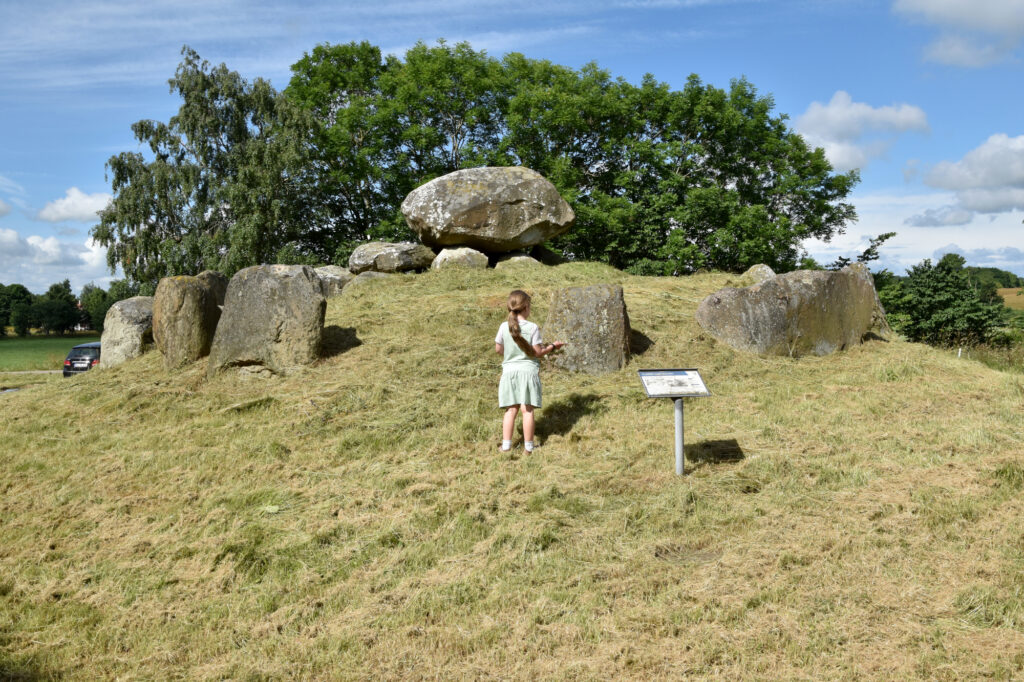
<point>81,358</point>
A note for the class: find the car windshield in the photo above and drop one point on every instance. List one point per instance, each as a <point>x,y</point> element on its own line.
<point>85,352</point>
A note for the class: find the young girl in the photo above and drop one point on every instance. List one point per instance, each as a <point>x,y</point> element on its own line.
<point>520,370</point>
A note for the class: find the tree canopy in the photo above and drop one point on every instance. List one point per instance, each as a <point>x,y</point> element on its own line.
<point>662,181</point>
<point>215,193</point>
<point>937,304</point>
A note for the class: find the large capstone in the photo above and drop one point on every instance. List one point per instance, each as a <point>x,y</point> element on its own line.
<point>390,257</point>
<point>127,330</point>
<point>593,323</point>
<point>273,320</point>
<point>490,209</point>
<point>807,312</point>
<point>185,316</point>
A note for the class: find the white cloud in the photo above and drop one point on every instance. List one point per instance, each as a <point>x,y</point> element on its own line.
<point>940,217</point>
<point>958,50</point>
<point>37,262</point>
<point>1006,258</point>
<point>974,34</point>
<point>853,133</point>
<point>990,16</point>
<point>5,208</point>
<point>996,240</point>
<point>988,179</point>
<point>76,205</point>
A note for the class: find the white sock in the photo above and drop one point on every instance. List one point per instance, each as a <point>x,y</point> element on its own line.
<point>528,445</point>
<point>506,445</point>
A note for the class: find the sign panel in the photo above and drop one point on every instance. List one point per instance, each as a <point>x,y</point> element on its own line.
<point>673,383</point>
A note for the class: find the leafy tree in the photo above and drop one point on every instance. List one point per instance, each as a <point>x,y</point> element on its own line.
<point>219,190</point>
<point>21,317</point>
<point>57,309</point>
<point>937,305</point>
<point>11,295</point>
<point>121,289</point>
<point>1001,279</point>
<point>662,181</point>
<point>382,127</point>
<point>95,304</point>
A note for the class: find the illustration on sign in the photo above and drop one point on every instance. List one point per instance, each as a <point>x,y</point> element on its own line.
<point>673,383</point>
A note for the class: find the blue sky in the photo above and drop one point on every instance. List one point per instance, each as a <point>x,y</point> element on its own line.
<point>923,96</point>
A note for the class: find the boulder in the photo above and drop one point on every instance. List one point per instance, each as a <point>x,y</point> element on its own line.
<point>758,273</point>
<point>273,320</point>
<point>515,259</point>
<point>490,209</point>
<point>463,257</point>
<point>333,279</point>
<point>364,277</point>
<point>594,324</point>
<point>185,316</point>
<point>388,257</point>
<point>807,312</point>
<point>216,282</point>
<point>127,330</point>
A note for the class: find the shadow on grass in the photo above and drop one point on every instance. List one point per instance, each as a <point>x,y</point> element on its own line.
<point>714,451</point>
<point>337,340</point>
<point>639,343</point>
<point>560,416</point>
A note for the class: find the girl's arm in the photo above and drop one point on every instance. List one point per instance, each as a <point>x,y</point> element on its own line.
<point>499,349</point>
<point>543,349</point>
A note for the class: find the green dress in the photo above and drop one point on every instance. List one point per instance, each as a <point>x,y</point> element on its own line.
<point>520,374</point>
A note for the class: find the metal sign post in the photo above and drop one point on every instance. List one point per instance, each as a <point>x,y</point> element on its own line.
<point>676,384</point>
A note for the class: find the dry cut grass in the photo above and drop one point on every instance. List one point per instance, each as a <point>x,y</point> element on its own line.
<point>848,517</point>
<point>1012,298</point>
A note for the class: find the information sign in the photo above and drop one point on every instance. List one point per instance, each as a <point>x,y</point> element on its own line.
<point>673,383</point>
<point>676,384</point>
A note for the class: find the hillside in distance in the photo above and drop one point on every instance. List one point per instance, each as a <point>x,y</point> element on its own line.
<point>854,516</point>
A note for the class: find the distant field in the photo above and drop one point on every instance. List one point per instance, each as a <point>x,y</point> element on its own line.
<point>38,352</point>
<point>1012,298</point>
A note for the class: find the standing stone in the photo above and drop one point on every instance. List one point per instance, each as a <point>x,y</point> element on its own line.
<point>333,279</point>
<point>490,209</point>
<point>594,324</point>
<point>185,316</point>
<point>273,320</point>
<point>127,330</point>
<point>463,257</point>
<point>807,312</point>
<point>216,282</point>
<point>388,257</point>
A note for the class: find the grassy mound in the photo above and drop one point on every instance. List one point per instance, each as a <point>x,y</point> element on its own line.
<point>847,517</point>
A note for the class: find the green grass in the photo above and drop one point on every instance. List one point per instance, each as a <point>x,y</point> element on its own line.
<point>18,354</point>
<point>848,517</point>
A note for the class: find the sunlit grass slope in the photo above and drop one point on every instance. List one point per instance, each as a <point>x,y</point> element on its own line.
<point>849,517</point>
